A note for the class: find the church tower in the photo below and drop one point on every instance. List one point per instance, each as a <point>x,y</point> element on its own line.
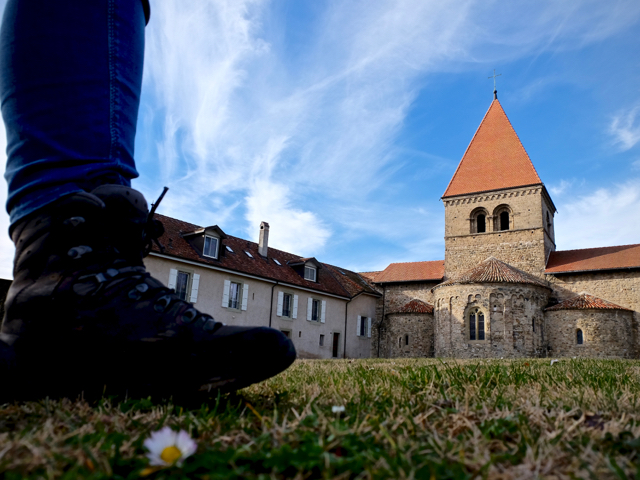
<point>495,204</point>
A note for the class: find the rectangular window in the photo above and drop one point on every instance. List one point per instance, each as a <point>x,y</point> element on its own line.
<point>310,273</point>
<point>363,327</point>
<point>210,247</point>
<point>287,333</point>
<point>234,295</point>
<point>315,310</point>
<point>286,305</point>
<point>182,285</point>
<point>322,340</point>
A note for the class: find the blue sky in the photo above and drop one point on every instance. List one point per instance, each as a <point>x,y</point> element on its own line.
<point>341,122</point>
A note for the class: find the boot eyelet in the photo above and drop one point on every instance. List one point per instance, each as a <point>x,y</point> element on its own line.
<point>77,252</point>
<point>162,303</point>
<point>74,221</point>
<point>142,287</point>
<point>190,315</point>
<point>209,325</point>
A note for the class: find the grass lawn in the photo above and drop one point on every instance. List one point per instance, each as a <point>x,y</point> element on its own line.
<point>413,418</point>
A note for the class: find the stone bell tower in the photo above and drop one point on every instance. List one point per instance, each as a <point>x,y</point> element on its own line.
<point>495,204</point>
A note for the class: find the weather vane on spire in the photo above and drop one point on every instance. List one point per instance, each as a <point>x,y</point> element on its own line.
<point>495,90</point>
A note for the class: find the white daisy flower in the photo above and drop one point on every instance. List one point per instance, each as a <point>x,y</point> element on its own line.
<point>337,408</point>
<point>167,448</point>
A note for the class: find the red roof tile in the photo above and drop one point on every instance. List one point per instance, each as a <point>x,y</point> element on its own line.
<point>352,282</point>
<point>416,306</point>
<point>329,279</point>
<point>369,275</point>
<point>495,159</point>
<point>585,301</point>
<point>412,272</point>
<point>493,270</point>
<point>586,259</point>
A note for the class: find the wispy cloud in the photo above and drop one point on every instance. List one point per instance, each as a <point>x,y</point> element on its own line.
<point>241,119</point>
<point>625,128</point>
<point>608,216</point>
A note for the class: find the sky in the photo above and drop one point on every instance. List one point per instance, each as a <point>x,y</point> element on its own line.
<point>340,123</point>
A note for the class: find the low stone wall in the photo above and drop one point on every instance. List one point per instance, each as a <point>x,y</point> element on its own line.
<point>605,333</point>
<point>407,335</point>
<point>514,320</point>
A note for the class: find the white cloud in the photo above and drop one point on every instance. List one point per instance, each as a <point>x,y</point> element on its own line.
<point>226,89</point>
<point>625,128</point>
<point>608,216</point>
<point>561,188</point>
<point>290,229</point>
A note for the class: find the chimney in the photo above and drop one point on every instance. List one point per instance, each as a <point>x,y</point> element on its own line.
<point>263,244</point>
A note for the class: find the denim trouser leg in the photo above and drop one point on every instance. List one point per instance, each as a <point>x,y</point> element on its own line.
<point>70,78</point>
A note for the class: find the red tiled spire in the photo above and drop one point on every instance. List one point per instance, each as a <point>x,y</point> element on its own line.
<point>495,159</point>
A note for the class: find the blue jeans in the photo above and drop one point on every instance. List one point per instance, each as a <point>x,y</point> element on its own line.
<point>70,79</point>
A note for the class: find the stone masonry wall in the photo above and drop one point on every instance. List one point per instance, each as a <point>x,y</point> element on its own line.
<point>606,333</point>
<point>514,321</point>
<point>523,249</point>
<point>619,287</point>
<point>419,329</point>
<point>395,296</point>
<point>525,245</point>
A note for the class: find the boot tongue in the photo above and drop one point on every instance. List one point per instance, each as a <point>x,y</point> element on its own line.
<point>124,219</point>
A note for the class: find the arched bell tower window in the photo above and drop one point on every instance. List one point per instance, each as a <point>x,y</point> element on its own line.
<point>502,216</point>
<point>479,220</point>
<point>504,220</point>
<point>579,337</point>
<point>476,324</point>
<point>548,223</point>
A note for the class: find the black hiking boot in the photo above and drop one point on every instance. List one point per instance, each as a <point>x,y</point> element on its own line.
<point>83,313</point>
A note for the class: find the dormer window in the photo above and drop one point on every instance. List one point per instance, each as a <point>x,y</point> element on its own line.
<point>309,273</point>
<point>210,247</point>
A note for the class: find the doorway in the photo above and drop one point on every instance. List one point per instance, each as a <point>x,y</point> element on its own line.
<point>336,344</point>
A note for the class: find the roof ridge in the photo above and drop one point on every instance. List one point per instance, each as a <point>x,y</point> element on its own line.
<point>586,301</point>
<point>598,248</point>
<point>404,263</point>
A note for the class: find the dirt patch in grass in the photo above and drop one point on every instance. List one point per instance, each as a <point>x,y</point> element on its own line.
<point>409,418</point>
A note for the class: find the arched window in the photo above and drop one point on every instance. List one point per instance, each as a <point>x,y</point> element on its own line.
<point>502,218</point>
<point>533,324</point>
<point>400,342</point>
<point>406,339</point>
<point>548,223</point>
<point>579,337</point>
<point>479,220</point>
<point>476,324</point>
